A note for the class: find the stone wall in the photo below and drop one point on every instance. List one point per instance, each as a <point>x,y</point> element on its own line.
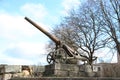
<point>69,78</point>
<point>71,70</point>
<point>108,70</point>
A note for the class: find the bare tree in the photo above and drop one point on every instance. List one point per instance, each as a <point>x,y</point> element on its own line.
<point>82,30</point>
<point>87,25</point>
<point>91,27</point>
<point>111,18</point>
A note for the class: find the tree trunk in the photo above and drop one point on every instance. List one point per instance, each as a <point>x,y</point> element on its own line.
<point>117,45</point>
<point>118,48</point>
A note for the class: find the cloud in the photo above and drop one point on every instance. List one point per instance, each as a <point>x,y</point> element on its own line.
<point>11,26</point>
<point>106,55</point>
<point>69,4</point>
<point>21,43</point>
<point>28,49</point>
<point>15,61</point>
<point>23,53</point>
<point>15,26</point>
<point>37,11</point>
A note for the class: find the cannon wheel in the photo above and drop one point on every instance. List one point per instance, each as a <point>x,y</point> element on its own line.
<point>50,58</point>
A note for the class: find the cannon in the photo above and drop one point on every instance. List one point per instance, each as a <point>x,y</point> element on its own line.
<point>62,51</point>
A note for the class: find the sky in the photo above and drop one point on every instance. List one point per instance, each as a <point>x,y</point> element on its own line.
<point>20,42</point>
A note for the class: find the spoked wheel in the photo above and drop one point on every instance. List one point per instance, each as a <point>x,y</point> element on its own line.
<point>50,58</point>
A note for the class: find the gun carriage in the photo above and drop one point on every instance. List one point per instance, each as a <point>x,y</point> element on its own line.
<point>62,51</point>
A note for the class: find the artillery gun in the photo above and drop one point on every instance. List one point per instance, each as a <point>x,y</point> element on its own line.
<point>62,51</point>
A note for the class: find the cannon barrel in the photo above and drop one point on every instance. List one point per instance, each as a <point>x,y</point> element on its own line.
<point>68,49</point>
<point>53,38</point>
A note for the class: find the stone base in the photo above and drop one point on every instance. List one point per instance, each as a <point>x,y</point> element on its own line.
<point>64,70</point>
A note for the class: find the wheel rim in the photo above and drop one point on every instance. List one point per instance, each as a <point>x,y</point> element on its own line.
<point>50,58</point>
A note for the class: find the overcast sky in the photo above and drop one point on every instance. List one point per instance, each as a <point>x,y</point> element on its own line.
<point>20,42</point>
